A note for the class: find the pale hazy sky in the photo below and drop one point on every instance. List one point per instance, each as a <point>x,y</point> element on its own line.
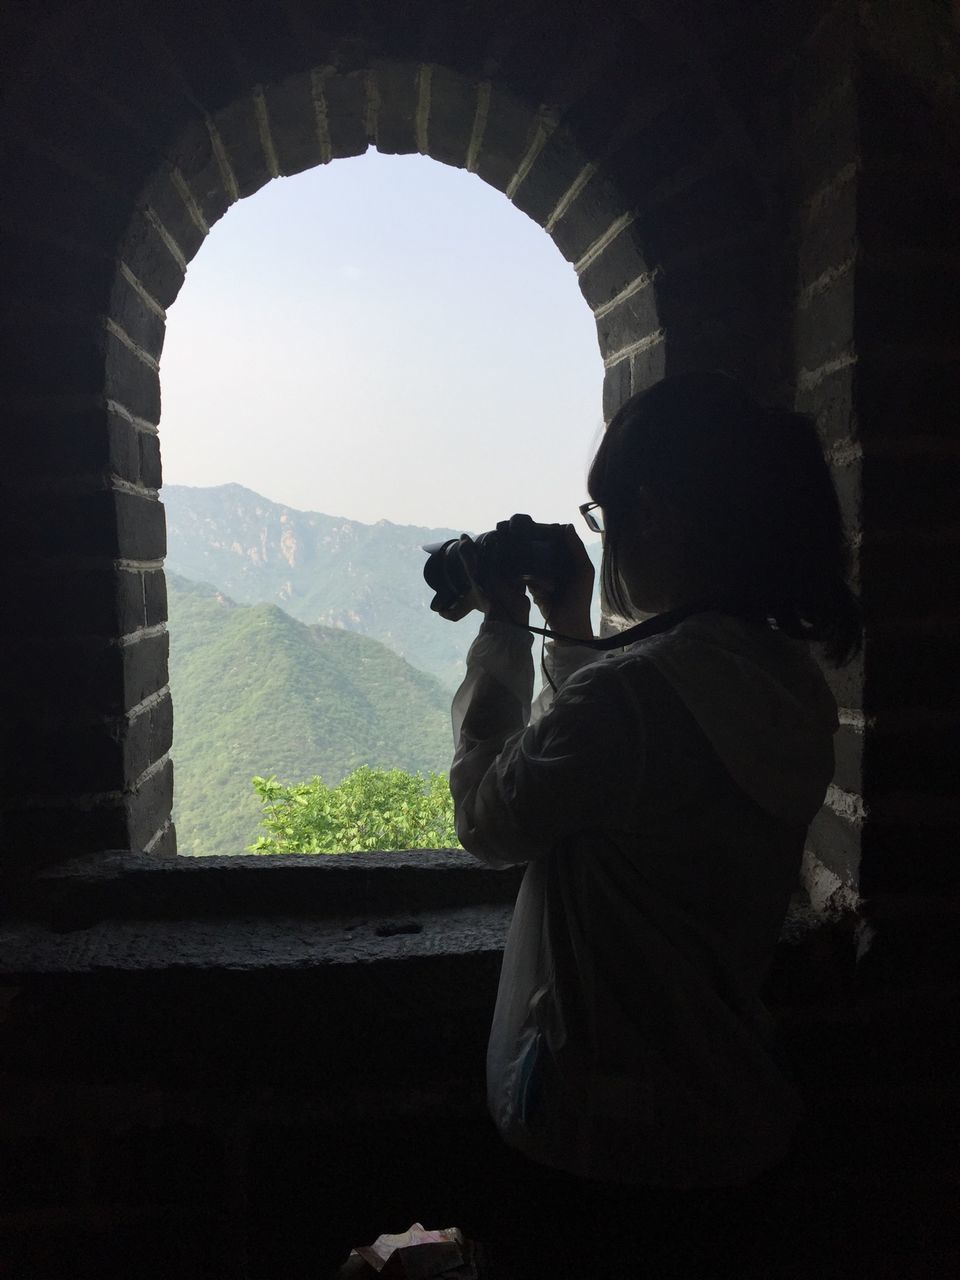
<point>384,337</point>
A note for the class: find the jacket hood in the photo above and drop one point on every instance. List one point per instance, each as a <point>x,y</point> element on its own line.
<point>763,704</point>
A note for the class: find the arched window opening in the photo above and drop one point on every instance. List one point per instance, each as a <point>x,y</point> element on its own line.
<point>372,355</point>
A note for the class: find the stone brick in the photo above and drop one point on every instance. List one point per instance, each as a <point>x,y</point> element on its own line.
<point>148,807</point>
<point>141,527</point>
<point>634,318</point>
<point>123,443</point>
<point>239,127</point>
<point>130,381</point>
<point>62,681</point>
<point>554,171</point>
<point>145,668</point>
<point>164,846</point>
<point>848,747</point>
<point>293,123</point>
<point>140,322</point>
<point>147,737</point>
<point>827,237</point>
<point>150,471</point>
<point>149,258</point>
<point>453,105</point>
<point>509,131</point>
<point>194,156</point>
<point>621,263</point>
<point>826,136</point>
<point>833,405</point>
<point>847,683</point>
<point>155,597</point>
<point>397,88</point>
<point>162,197</point>
<point>825,327</point>
<point>58,599</point>
<point>616,388</point>
<point>345,101</point>
<point>592,214</point>
<point>837,843</point>
<point>848,483</point>
<point>103,523</point>
<point>100,757</point>
<point>38,835</point>
<point>647,366</point>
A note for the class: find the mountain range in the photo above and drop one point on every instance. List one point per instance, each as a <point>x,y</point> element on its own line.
<point>300,644</point>
<point>257,692</point>
<point>366,578</point>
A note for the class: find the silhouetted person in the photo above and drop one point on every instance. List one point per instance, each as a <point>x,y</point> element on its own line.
<point>660,797</point>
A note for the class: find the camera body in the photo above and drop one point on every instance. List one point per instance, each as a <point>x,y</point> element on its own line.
<point>517,548</point>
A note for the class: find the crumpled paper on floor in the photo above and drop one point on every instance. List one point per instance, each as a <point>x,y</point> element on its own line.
<point>414,1254</point>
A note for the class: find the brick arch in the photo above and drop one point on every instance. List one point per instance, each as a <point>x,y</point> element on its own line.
<point>618,149</point>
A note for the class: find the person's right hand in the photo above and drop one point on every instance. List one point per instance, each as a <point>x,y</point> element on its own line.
<point>567,610</point>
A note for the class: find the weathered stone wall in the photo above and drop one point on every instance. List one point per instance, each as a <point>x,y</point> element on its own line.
<point>771,189</point>
<point>216,1068</point>
<point>131,129</point>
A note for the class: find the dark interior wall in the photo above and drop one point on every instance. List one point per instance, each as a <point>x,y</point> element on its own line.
<point>876,202</point>
<point>770,188</point>
<point>130,129</point>
<point>771,193</point>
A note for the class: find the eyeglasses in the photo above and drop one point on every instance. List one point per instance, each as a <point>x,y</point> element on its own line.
<point>593,515</point>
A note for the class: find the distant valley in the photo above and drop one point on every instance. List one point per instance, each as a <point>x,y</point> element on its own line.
<point>300,644</point>
<point>257,692</point>
<point>317,568</point>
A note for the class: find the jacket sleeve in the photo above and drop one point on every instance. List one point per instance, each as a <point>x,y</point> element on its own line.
<point>519,787</point>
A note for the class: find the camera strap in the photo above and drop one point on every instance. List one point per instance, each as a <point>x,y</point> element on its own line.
<point>654,626</point>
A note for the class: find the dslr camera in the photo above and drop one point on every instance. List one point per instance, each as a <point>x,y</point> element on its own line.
<point>517,548</point>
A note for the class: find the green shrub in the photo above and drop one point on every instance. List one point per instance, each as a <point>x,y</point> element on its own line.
<point>369,809</point>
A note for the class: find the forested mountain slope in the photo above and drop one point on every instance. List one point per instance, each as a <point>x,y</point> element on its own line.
<point>257,692</point>
<point>365,578</point>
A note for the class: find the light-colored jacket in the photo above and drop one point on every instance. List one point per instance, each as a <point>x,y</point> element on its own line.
<point>660,799</point>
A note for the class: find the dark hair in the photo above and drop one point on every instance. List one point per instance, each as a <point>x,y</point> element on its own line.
<point>753,493</point>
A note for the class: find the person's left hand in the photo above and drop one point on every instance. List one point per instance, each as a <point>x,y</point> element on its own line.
<point>500,599</point>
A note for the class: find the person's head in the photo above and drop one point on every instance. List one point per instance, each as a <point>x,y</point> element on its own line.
<point>706,494</point>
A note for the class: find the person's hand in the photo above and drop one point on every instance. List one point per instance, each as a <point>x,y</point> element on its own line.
<point>500,599</point>
<point>567,610</point>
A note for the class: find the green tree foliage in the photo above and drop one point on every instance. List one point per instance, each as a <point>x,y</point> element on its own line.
<point>368,809</point>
